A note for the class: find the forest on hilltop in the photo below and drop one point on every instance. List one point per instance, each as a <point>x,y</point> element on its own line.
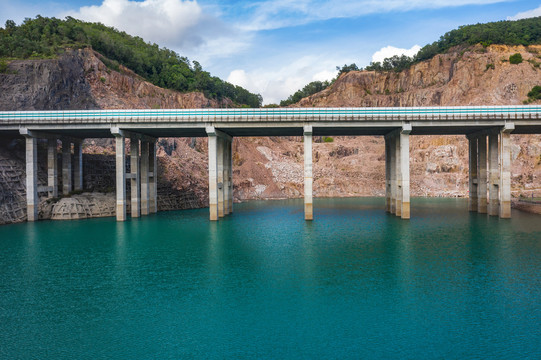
<point>48,37</point>
<point>510,32</point>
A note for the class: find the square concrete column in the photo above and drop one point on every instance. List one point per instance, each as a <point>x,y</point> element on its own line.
<point>387,174</point>
<point>405,171</point>
<point>227,164</point>
<point>153,175</point>
<point>505,171</point>
<point>398,165</point>
<point>230,161</point>
<point>66,167</point>
<point>493,175</point>
<point>78,166</point>
<point>472,201</point>
<point>145,160</point>
<point>482,174</point>
<point>213,173</point>
<point>135,178</point>
<point>32,199</point>
<point>220,168</point>
<point>308,179</point>
<point>392,173</point>
<point>52,168</point>
<point>120,179</point>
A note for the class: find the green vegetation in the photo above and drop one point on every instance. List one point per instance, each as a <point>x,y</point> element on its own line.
<point>515,59</point>
<point>490,66</point>
<point>311,88</point>
<point>328,139</point>
<point>521,32</point>
<point>3,67</point>
<point>534,94</point>
<point>48,37</point>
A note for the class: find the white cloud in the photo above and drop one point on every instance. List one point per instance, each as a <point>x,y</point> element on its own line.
<point>389,51</point>
<point>277,83</point>
<point>274,14</point>
<point>180,24</point>
<point>526,14</point>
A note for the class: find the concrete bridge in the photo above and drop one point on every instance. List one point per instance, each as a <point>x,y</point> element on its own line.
<point>489,161</point>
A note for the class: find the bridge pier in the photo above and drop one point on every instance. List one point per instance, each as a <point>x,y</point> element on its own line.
<point>120,156</point>
<point>52,167</point>
<point>220,171</point>
<point>499,172</point>
<point>135,178</point>
<point>78,165</point>
<point>153,177</point>
<point>308,179</point>
<point>32,199</point>
<point>397,172</point>
<point>66,167</point>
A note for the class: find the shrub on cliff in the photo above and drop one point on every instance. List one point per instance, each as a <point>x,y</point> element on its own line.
<point>515,59</point>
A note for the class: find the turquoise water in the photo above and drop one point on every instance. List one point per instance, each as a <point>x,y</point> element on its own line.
<point>263,283</point>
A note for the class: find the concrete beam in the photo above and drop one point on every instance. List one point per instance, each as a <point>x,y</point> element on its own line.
<point>116,131</point>
<point>308,179</point>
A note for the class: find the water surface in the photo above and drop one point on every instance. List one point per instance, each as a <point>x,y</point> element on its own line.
<point>263,283</point>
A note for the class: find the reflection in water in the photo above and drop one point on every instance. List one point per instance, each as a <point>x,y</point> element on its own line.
<point>263,283</point>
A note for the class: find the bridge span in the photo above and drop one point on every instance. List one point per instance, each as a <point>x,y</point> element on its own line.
<point>487,128</point>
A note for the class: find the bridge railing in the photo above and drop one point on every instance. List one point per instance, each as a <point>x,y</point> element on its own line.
<point>271,115</point>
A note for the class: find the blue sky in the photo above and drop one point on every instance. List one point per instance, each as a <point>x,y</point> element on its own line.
<point>275,47</point>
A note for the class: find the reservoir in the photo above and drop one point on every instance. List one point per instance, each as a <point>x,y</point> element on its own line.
<point>355,283</point>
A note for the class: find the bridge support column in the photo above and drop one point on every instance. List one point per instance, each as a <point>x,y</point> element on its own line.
<point>308,179</point>
<point>145,162</point>
<point>482,174</point>
<point>227,177</point>
<point>153,177</point>
<point>78,165</point>
<point>472,201</point>
<point>66,167</point>
<point>405,171</point>
<point>220,154</point>
<point>230,162</point>
<point>120,178</point>
<point>135,178</point>
<point>52,167</point>
<point>32,199</point>
<point>387,174</point>
<point>493,175</point>
<point>505,171</point>
<point>398,163</point>
<point>392,173</point>
<point>213,172</point>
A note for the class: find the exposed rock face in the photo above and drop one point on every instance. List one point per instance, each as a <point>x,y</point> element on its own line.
<point>273,167</point>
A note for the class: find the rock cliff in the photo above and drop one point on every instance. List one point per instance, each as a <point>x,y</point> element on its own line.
<point>267,168</point>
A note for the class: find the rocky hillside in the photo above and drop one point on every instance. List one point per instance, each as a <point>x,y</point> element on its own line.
<point>272,167</point>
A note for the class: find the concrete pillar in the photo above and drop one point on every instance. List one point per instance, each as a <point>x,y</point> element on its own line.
<point>482,174</point>
<point>472,201</point>
<point>392,172</point>
<point>213,174</point>
<point>308,180</point>
<point>153,174</point>
<point>405,171</point>
<point>505,171</point>
<point>230,161</point>
<point>52,167</point>
<point>78,165</point>
<point>398,166</point>
<point>145,161</point>
<point>120,179</point>
<point>220,168</point>
<point>493,175</point>
<point>32,199</point>
<point>135,178</point>
<point>227,164</point>
<point>387,174</point>
<point>66,167</point>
